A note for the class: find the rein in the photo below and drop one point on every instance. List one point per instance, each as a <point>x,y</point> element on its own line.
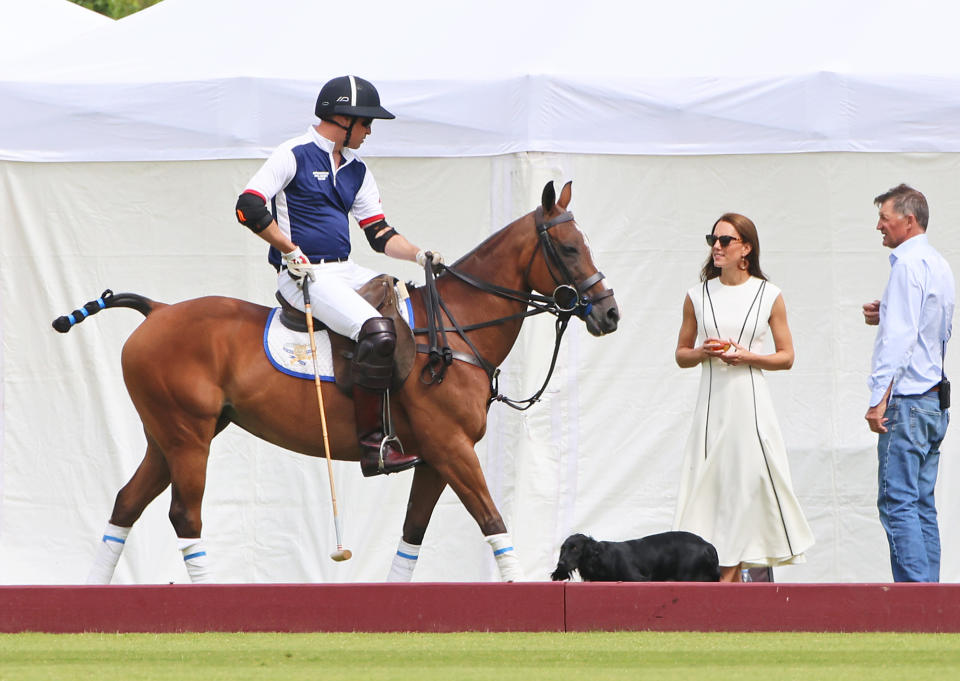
<point>567,299</point>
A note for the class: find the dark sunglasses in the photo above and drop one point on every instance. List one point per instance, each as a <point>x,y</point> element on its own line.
<point>724,240</point>
<point>366,122</point>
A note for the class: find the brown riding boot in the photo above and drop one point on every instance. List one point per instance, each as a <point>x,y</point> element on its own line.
<point>372,369</point>
<point>368,407</point>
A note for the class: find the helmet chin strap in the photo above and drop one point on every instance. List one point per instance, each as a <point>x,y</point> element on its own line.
<point>348,128</point>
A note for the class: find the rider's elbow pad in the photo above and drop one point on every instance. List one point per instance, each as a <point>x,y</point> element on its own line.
<point>378,234</point>
<point>252,212</point>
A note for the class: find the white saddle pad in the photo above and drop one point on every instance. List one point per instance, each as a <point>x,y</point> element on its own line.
<point>289,351</point>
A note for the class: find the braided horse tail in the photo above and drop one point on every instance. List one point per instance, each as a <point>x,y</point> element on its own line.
<point>107,299</point>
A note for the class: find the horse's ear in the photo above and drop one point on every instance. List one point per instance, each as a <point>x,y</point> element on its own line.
<point>549,198</point>
<point>565,195</point>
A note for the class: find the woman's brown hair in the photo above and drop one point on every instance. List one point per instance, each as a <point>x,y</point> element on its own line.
<point>747,232</point>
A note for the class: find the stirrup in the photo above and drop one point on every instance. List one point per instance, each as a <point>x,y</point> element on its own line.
<point>388,458</point>
<point>384,445</point>
<point>387,440</point>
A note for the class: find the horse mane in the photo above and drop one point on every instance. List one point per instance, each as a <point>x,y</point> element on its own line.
<point>491,240</point>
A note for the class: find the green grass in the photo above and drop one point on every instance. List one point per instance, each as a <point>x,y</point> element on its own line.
<point>490,657</point>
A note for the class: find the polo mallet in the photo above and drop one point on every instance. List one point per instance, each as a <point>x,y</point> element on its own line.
<point>341,553</point>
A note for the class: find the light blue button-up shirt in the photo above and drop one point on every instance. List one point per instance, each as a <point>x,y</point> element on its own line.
<point>916,319</point>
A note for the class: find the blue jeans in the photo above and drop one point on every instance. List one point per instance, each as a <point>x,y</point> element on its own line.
<point>909,454</point>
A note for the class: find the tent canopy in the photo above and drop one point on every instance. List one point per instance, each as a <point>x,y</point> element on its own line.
<point>32,27</point>
<point>205,79</point>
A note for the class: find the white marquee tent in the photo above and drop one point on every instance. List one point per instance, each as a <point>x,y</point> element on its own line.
<point>35,26</point>
<point>122,151</point>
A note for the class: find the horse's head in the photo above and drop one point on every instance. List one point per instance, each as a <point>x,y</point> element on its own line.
<point>566,272</point>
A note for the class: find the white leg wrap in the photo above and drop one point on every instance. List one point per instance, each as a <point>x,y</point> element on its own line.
<point>108,554</point>
<point>196,560</point>
<point>507,560</point>
<point>405,560</point>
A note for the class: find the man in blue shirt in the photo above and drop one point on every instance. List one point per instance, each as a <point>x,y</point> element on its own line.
<point>914,320</point>
<point>300,202</point>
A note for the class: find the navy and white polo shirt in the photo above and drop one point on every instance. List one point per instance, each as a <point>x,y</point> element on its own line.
<point>310,198</point>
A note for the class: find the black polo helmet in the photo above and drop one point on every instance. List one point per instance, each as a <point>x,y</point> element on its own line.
<point>350,96</point>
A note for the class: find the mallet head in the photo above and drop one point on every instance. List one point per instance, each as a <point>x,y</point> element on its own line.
<point>341,555</point>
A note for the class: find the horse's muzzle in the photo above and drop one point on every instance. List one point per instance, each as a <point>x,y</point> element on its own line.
<point>603,319</point>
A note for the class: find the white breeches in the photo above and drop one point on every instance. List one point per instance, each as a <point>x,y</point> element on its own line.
<point>333,295</point>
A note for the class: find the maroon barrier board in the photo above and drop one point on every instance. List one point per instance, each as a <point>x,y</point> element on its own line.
<point>283,607</point>
<point>763,607</point>
<point>447,607</point>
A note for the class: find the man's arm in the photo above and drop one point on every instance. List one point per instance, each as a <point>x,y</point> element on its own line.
<point>273,236</point>
<point>251,209</point>
<point>896,339</point>
<point>400,247</point>
<point>875,414</point>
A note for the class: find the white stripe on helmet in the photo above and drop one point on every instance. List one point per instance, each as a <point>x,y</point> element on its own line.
<point>353,91</point>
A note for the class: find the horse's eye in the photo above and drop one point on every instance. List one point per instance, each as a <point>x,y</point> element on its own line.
<point>568,250</point>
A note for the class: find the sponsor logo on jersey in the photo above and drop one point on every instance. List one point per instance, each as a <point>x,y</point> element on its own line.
<point>321,175</point>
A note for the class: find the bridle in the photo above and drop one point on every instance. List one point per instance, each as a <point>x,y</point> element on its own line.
<point>569,298</point>
<point>575,295</point>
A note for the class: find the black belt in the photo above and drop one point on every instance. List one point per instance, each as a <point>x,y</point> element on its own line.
<point>320,261</point>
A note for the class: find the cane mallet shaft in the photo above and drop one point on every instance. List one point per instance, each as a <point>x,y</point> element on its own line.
<point>341,553</point>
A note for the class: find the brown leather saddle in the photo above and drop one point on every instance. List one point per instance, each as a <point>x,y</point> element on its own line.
<point>380,293</point>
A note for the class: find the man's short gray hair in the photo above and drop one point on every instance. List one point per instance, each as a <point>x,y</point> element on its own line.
<point>907,201</point>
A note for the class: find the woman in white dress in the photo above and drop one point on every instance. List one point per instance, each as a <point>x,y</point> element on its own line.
<point>735,488</point>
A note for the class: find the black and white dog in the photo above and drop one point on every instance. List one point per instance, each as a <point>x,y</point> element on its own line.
<point>664,557</point>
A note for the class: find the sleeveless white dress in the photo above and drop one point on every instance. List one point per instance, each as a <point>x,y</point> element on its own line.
<point>735,487</point>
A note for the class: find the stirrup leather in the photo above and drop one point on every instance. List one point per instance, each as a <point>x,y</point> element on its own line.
<point>389,434</point>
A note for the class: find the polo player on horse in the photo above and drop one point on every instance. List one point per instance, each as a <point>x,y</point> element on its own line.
<point>312,182</point>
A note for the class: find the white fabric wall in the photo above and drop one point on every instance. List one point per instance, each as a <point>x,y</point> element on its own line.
<point>599,455</point>
<point>28,28</point>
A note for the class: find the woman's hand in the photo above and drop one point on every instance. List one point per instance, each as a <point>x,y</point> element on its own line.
<point>736,355</point>
<point>715,347</point>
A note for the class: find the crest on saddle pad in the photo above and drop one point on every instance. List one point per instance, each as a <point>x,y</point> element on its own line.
<point>287,344</point>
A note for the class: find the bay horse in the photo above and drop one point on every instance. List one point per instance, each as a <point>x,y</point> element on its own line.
<point>194,367</point>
